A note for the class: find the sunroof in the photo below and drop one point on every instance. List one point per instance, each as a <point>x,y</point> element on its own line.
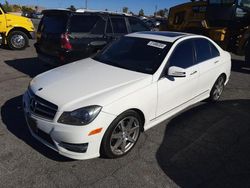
<point>163,33</point>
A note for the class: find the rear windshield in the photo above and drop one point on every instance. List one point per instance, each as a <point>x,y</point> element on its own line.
<point>87,24</point>
<point>53,24</point>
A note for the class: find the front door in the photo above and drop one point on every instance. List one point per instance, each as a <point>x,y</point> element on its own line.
<point>175,92</point>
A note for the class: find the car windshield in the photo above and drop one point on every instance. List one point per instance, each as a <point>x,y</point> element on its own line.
<point>135,54</point>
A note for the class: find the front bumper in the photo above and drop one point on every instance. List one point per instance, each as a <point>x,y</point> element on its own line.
<point>62,138</point>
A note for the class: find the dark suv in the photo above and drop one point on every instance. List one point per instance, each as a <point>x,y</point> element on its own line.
<point>64,36</point>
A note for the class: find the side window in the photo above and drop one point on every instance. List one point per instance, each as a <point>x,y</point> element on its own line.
<point>202,48</point>
<point>109,28</point>
<point>179,18</point>
<point>119,25</point>
<point>183,55</point>
<point>214,51</point>
<point>136,25</point>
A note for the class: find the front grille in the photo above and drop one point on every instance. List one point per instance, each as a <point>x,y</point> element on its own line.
<point>41,107</point>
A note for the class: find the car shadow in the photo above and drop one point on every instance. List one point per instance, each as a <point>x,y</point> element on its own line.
<point>240,66</point>
<point>208,146</point>
<point>28,66</point>
<point>13,117</point>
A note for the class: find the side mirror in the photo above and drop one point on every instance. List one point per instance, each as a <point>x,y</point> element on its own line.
<point>176,71</point>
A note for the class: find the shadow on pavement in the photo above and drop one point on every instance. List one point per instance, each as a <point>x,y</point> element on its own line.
<point>28,66</point>
<point>240,66</point>
<point>208,146</point>
<point>13,118</point>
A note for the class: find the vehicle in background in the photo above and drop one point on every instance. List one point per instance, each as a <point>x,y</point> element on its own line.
<point>15,30</point>
<point>64,36</point>
<point>32,15</point>
<point>100,105</point>
<point>226,22</point>
<point>155,23</point>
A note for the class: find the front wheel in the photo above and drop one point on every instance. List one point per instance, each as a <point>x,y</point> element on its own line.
<point>122,135</point>
<point>217,89</point>
<point>17,40</point>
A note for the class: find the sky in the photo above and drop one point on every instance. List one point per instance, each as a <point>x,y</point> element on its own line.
<point>148,6</point>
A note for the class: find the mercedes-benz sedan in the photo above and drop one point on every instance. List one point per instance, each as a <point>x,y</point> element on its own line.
<point>100,105</point>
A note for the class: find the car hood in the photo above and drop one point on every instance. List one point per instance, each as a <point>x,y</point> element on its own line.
<point>87,82</point>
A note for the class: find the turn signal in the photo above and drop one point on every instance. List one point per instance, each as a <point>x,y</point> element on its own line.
<point>96,131</point>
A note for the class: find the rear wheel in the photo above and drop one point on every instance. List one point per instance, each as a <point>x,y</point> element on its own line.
<point>217,89</point>
<point>247,54</point>
<point>17,40</point>
<point>122,135</point>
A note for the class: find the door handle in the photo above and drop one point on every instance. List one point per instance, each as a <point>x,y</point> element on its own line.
<point>193,73</point>
<point>216,62</point>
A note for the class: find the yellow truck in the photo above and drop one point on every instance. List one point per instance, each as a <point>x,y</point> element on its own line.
<point>225,21</point>
<point>15,31</point>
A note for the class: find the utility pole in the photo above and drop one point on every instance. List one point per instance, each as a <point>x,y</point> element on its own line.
<point>156,7</point>
<point>86,4</point>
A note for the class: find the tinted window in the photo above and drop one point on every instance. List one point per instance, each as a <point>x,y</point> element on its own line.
<point>183,55</point>
<point>214,51</point>
<point>136,25</point>
<point>109,28</point>
<point>203,52</point>
<point>179,18</point>
<point>87,24</point>
<point>53,24</point>
<point>136,54</point>
<point>119,25</point>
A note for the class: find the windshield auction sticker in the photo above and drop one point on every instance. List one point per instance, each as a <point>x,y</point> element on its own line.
<point>157,44</point>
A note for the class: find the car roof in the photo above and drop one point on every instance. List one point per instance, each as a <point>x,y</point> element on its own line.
<point>84,11</point>
<point>102,11</point>
<point>166,36</point>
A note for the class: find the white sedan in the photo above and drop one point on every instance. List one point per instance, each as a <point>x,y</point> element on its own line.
<point>100,105</point>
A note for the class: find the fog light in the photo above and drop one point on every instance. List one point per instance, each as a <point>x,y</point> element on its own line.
<point>80,148</point>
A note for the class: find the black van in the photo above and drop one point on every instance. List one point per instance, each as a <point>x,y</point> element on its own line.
<point>64,36</point>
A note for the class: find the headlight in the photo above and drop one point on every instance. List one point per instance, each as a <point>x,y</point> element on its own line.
<point>81,116</point>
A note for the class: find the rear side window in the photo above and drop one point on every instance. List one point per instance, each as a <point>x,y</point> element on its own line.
<point>109,28</point>
<point>203,51</point>
<point>136,25</point>
<point>87,24</point>
<point>214,51</point>
<point>183,55</point>
<point>119,25</point>
<point>53,24</point>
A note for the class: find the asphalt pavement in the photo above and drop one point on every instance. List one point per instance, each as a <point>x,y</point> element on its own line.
<point>208,145</point>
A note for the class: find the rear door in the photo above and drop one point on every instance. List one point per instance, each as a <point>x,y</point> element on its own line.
<point>51,26</point>
<point>208,60</point>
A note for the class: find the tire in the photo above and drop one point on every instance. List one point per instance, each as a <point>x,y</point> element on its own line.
<point>17,40</point>
<point>122,135</point>
<point>217,89</point>
<point>247,54</point>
